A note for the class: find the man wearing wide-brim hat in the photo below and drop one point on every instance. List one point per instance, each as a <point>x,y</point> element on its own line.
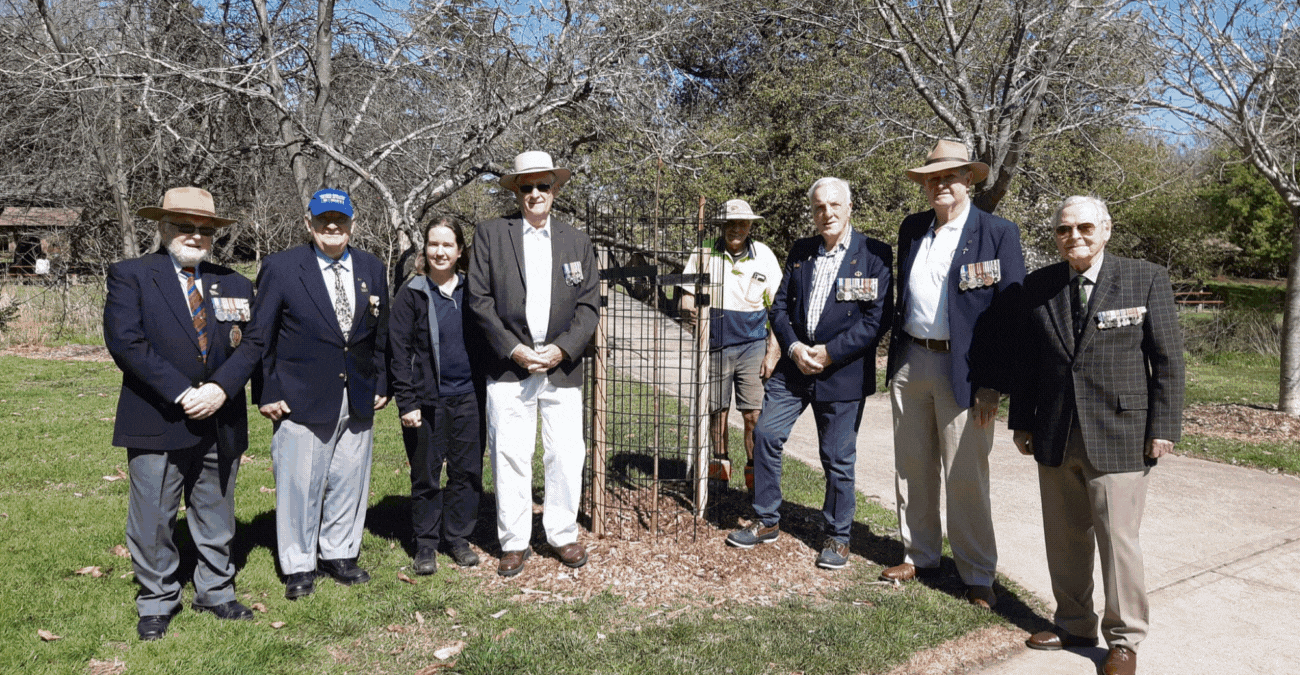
<point>947,369</point>
<point>174,324</point>
<point>532,287</point>
<point>743,278</point>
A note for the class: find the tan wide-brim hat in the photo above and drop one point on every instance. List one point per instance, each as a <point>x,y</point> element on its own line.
<point>738,209</point>
<point>949,155</point>
<point>534,161</point>
<point>185,201</point>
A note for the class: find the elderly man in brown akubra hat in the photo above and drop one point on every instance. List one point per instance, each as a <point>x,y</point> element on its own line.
<point>532,287</point>
<point>946,369</point>
<point>174,324</point>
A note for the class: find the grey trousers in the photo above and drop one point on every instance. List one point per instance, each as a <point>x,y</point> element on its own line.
<point>159,479</point>
<point>322,484</point>
<point>1086,511</point>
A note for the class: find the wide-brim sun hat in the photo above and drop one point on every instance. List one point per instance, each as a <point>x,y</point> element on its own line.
<point>738,209</point>
<point>534,161</point>
<point>185,201</point>
<point>949,155</point>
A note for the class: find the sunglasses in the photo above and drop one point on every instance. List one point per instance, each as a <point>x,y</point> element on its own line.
<point>541,187</point>
<point>1085,230</point>
<point>191,229</point>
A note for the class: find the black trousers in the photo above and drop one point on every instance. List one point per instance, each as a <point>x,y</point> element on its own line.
<point>449,431</point>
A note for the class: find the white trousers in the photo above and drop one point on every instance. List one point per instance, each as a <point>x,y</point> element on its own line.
<point>512,409</point>
<point>322,484</point>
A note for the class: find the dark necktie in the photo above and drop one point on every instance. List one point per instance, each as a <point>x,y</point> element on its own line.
<point>1079,304</point>
<point>197,313</point>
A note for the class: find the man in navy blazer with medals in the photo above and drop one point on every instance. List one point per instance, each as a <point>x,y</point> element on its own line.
<point>827,316</point>
<point>174,324</point>
<point>1098,400</point>
<point>323,310</point>
<point>947,369</point>
<point>532,286</point>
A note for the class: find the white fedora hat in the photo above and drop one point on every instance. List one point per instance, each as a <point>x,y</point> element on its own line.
<point>185,201</point>
<point>534,161</point>
<point>738,209</point>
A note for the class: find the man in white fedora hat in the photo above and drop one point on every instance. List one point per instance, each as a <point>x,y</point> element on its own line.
<point>532,287</point>
<point>174,324</point>
<point>743,278</point>
<point>946,374</point>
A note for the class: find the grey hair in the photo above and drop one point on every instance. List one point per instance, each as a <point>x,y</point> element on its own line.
<point>830,181</point>
<point>1076,200</point>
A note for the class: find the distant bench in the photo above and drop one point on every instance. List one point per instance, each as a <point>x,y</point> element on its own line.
<point>1198,299</point>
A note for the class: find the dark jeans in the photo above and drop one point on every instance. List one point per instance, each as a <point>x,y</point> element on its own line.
<point>837,436</point>
<point>449,430</point>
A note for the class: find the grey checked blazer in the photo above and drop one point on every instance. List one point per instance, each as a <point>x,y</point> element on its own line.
<point>1125,383</point>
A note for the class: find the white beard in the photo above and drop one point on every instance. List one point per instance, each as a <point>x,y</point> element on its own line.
<point>185,255</point>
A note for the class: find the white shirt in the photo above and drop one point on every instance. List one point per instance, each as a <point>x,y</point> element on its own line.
<point>185,284</point>
<point>349,280</point>
<point>1091,275</point>
<point>825,268</point>
<point>926,314</point>
<point>537,280</point>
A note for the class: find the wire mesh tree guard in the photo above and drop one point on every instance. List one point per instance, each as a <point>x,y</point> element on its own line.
<point>647,389</point>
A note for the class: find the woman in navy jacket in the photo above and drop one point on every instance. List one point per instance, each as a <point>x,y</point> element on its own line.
<point>437,396</point>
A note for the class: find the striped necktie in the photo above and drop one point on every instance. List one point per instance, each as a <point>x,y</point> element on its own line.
<point>197,313</point>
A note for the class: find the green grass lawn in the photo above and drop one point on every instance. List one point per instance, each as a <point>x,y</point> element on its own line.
<point>1246,379</point>
<point>58,515</point>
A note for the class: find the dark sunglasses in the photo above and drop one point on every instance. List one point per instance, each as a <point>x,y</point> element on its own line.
<point>1085,229</point>
<point>191,229</point>
<point>541,187</point>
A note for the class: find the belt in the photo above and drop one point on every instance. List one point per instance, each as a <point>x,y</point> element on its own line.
<point>941,346</point>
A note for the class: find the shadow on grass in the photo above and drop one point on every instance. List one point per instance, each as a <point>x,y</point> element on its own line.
<point>391,519</point>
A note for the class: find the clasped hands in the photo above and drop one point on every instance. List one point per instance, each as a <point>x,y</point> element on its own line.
<point>537,360</point>
<point>810,360</point>
<point>203,401</point>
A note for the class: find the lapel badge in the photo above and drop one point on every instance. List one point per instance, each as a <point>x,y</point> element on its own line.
<point>364,288</point>
<point>214,290</point>
<point>236,336</point>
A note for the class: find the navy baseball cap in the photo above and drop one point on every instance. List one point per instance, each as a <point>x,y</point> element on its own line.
<point>328,200</point>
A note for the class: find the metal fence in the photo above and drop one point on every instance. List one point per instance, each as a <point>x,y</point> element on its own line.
<point>647,389</point>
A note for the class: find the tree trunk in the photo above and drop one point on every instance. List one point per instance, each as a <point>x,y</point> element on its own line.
<point>1288,396</point>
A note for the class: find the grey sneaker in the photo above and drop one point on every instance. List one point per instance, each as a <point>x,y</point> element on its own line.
<point>834,556</point>
<point>754,534</point>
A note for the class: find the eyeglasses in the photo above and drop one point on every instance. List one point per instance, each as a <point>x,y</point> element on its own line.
<point>191,229</point>
<point>1085,230</point>
<point>541,187</point>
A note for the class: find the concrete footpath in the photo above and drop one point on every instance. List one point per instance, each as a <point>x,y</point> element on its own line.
<point>1221,546</point>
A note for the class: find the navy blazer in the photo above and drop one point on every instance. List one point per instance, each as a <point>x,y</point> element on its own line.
<point>1125,382</point>
<point>150,333</point>
<point>978,336</point>
<point>495,292</point>
<point>849,329</point>
<point>307,363</point>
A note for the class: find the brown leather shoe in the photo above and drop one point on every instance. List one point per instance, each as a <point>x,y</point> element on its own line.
<point>908,572</point>
<point>572,555</point>
<point>982,596</point>
<point>1057,638</point>
<point>1120,661</point>
<point>512,562</point>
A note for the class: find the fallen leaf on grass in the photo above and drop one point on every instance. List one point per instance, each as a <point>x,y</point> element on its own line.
<point>92,570</point>
<point>503,633</point>
<point>500,614</point>
<point>394,628</point>
<point>450,650</point>
<point>121,551</point>
<point>47,636</point>
<point>277,624</point>
<point>265,489</point>
<point>419,618</point>
<point>259,607</point>
<point>112,478</point>
<point>127,575</point>
<point>430,670</point>
<point>114,667</point>
<point>451,612</point>
<point>402,577</point>
<point>246,458</point>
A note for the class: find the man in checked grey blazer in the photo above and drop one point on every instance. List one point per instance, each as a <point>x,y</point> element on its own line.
<point>532,288</point>
<point>1099,401</point>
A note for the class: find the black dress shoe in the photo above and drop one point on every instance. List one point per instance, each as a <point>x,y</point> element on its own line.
<point>344,571</point>
<point>299,584</point>
<point>464,555</point>
<point>153,627</point>
<point>227,610</point>
<point>426,561</point>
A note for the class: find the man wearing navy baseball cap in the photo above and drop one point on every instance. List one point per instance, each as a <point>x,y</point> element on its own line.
<point>323,308</point>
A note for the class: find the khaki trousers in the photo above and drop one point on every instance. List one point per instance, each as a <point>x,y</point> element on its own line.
<point>1086,511</point>
<point>937,444</point>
